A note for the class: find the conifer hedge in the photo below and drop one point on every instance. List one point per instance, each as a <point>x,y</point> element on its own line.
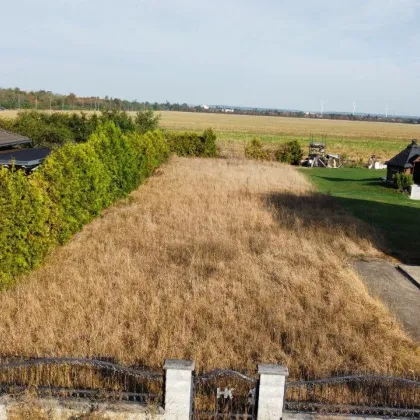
<point>193,144</point>
<point>41,211</point>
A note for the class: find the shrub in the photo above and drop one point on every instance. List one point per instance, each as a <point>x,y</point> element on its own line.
<point>73,185</point>
<point>254,150</point>
<point>193,144</point>
<point>47,130</point>
<point>42,129</point>
<point>25,229</point>
<point>121,119</point>
<point>77,183</point>
<point>403,181</point>
<point>290,153</point>
<point>146,121</point>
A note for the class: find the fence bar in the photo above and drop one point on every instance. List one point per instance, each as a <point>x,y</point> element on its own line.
<point>178,389</point>
<point>271,391</point>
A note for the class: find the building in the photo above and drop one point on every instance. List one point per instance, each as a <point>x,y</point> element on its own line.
<point>24,158</point>
<point>8,140</point>
<point>27,159</point>
<point>407,161</point>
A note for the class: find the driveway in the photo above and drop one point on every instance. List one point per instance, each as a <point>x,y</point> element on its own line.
<point>397,291</point>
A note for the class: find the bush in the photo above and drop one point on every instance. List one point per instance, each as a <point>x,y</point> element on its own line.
<point>49,130</point>
<point>254,150</point>
<point>193,144</point>
<point>146,121</point>
<point>403,181</point>
<point>44,130</point>
<point>71,188</point>
<point>121,119</point>
<point>290,153</point>
<point>25,231</point>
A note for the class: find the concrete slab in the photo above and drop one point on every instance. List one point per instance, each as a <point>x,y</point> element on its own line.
<point>411,271</point>
<point>401,296</point>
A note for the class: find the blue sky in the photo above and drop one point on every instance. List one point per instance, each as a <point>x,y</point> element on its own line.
<point>267,53</point>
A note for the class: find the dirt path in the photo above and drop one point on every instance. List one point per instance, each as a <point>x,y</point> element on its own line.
<point>395,290</point>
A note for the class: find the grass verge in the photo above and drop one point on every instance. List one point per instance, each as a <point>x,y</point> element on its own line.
<point>362,192</point>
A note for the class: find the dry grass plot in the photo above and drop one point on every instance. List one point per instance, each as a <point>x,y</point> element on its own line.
<point>226,262</point>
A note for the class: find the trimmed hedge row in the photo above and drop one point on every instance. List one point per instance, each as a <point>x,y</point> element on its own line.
<point>74,184</point>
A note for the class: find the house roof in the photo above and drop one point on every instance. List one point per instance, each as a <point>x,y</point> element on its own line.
<point>28,158</point>
<point>406,158</point>
<point>8,139</point>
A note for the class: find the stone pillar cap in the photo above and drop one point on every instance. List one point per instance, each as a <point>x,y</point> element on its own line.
<point>179,364</point>
<point>273,370</point>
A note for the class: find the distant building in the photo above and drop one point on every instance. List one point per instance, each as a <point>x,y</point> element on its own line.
<point>407,161</point>
<point>8,139</point>
<point>24,158</point>
<point>206,107</point>
<point>27,159</point>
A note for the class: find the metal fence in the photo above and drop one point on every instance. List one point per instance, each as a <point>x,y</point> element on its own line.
<point>225,394</point>
<point>79,378</point>
<point>370,395</point>
<point>220,394</point>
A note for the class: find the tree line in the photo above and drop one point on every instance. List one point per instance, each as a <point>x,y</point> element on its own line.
<point>15,98</point>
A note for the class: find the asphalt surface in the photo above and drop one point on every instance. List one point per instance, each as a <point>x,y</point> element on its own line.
<point>398,291</point>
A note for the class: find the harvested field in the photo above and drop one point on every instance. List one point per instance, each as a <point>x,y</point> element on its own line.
<point>357,140</point>
<point>227,262</point>
<point>287,126</point>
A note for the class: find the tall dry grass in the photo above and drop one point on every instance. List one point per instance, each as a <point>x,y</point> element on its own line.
<point>227,262</point>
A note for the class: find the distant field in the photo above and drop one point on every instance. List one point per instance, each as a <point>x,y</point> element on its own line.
<point>356,139</point>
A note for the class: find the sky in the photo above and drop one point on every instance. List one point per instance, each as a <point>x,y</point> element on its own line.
<point>268,53</point>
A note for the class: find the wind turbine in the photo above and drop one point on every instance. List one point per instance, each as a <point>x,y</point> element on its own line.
<point>386,110</point>
<point>354,108</point>
<point>322,107</point>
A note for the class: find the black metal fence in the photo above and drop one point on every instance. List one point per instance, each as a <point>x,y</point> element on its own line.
<point>80,378</point>
<point>225,394</point>
<point>369,395</point>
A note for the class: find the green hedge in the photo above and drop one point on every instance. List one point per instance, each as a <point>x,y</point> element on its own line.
<point>57,128</point>
<point>71,188</point>
<point>193,144</point>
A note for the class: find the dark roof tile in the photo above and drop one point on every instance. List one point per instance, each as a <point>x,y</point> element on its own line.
<point>406,158</point>
<point>8,139</point>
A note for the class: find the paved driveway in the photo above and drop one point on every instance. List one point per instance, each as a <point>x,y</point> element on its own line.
<point>400,294</point>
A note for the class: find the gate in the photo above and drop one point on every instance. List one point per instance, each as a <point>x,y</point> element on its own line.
<point>225,394</point>
<point>362,395</point>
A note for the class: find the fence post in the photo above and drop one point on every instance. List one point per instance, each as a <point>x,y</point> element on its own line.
<point>178,389</point>
<point>271,391</point>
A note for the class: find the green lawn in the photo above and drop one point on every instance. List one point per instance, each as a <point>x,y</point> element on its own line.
<point>362,193</point>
